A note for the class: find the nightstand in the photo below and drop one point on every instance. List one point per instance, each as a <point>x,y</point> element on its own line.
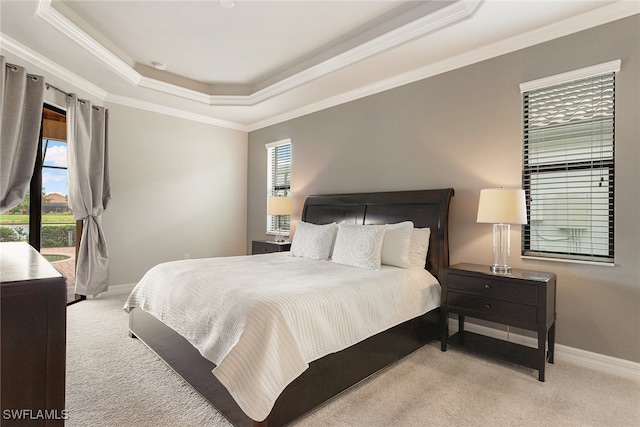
<point>268,246</point>
<point>524,299</point>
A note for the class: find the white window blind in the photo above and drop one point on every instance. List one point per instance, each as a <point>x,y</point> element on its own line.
<point>278,181</point>
<point>568,169</point>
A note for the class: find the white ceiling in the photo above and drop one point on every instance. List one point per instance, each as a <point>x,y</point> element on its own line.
<point>264,61</point>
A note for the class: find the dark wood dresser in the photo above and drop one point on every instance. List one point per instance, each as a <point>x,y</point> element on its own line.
<point>33,316</point>
<point>522,298</point>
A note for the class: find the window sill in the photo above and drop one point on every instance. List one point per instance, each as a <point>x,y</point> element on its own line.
<point>569,261</point>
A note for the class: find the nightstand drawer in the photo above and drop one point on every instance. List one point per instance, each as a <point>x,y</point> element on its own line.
<point>268,246</point>
<point>492,307</point>
<point>492,287</point>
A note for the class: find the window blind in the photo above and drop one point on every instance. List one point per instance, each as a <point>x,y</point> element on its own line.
<point>568,169</point>
<point>278,180</point>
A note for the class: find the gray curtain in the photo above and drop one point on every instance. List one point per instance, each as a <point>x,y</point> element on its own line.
<point>89,190</point>
<point>21,97</point>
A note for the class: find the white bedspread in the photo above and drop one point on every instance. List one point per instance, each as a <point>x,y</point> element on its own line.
<point>262,319</point>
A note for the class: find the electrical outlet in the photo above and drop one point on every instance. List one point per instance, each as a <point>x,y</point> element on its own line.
<point>187,255</point>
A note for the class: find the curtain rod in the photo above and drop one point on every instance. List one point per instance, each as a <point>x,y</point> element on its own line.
<point>49,86</point>
<point>15,68</point>
<point>84,101</point>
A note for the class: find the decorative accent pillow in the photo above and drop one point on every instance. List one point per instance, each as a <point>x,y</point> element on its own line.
<point>419,247</point>
<point>313,241</point>
<point>396,245</point>
<point>359,245</point>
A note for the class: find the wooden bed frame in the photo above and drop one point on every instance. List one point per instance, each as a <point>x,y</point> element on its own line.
<point>334,373</point>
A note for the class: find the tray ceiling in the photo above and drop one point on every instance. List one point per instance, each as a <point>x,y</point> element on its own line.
<point>264,61</point>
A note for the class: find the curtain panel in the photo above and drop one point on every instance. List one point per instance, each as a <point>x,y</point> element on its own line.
<point>89,190</point>
<point>21,98</point>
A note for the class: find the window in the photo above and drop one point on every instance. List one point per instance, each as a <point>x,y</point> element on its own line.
<point>278,181</point>
<point>568,165</point>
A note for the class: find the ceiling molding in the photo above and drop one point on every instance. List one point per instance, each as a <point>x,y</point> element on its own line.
<point>22,51</point>
<point>46,11</point>
<point>171,89</point>
<point>419,27</point>
<point>174,112</point>
<point>600,16</point>
<point>27,54</point>
<point>443,17</point>
<point>10,45</point>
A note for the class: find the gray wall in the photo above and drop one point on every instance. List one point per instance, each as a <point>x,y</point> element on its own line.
<point>462,129</point>
<point>179,187</point>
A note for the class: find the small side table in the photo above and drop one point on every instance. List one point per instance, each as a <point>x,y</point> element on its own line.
<point>524,299</point>
<point>268,246</point>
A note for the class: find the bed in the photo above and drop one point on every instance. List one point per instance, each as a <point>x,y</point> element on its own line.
<point>334,371</point>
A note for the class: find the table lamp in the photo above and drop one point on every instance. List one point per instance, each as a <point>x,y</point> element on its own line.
<point>278,206</point>
<point>502,207</point>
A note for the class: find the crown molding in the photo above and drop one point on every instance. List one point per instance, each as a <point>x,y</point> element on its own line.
<point>600,16</point>
<point>174,112</point>
<point>10,45</point>
<point>415,29</point>
<point>606,14</point>
<point>445,16</point>
<point>22,51</point>
<point>171,89</point>
<point>49,14</point>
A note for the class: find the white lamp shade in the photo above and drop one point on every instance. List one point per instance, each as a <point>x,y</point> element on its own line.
<point>279,205</point>
<point>502,206</point>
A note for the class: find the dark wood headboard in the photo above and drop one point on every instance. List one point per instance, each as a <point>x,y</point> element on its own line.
<point>426,208</point>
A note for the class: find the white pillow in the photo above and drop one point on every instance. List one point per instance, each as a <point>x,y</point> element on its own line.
<point>419,247</point>
<point>313,241</point>
<point>397,241</point>
<point>359,245</point>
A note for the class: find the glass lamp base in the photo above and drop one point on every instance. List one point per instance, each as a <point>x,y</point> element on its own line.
<point>278,237</point>
<point>501,248</point>
<point>500,269</point>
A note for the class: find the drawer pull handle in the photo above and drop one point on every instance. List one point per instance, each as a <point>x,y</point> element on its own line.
<point>487,305</point>
<point>487,286</point>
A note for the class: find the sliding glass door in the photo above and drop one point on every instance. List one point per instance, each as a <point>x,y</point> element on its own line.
<point>43,218</point>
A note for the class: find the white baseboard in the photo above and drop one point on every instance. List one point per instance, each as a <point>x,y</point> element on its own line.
<point>599,362</point>
<point>588,359</point>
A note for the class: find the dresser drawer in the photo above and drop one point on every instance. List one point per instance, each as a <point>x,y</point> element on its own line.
<point>492,307</point>
<point>491,287</point>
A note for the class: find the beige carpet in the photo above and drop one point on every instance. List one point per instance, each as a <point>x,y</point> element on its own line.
<point>113,380</point>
